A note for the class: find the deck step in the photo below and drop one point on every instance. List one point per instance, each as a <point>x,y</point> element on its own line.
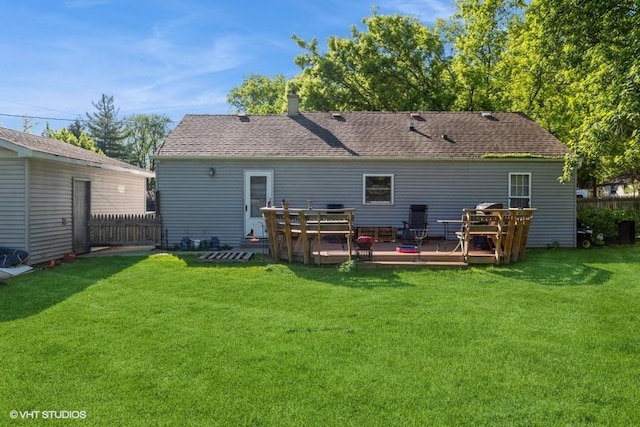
<point>413,263</point>
<point>410,258</point>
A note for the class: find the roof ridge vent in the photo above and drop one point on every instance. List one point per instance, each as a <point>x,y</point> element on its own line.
<point>488,115</point>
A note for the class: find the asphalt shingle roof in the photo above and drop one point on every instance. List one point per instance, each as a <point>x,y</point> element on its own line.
<point>361,134</point>
<point>60,149</point>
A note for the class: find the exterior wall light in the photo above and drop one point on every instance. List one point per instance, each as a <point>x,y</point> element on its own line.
<point>212,172</point>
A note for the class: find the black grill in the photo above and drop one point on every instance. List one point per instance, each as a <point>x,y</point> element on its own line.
<point>488,205</point>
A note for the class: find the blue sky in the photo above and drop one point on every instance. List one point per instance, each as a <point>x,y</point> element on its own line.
<point>170,57</point>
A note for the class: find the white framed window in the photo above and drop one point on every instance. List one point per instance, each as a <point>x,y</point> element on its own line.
<point>377,189</point>
<point>519,189</point>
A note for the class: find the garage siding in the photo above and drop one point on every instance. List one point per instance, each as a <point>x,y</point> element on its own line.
<point>51,202</point>
<point>13,232</point>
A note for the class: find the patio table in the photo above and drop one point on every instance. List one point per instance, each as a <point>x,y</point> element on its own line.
<point>447,231</point>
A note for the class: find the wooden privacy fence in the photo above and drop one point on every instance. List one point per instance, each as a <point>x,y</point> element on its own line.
<point>123,230</point>
<point>614,203</point>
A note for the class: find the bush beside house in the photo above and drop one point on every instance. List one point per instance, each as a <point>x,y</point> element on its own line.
<point>605,221</point>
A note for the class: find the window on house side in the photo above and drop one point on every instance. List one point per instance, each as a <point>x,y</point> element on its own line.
<point>377,189</point>
<point>520,190</point>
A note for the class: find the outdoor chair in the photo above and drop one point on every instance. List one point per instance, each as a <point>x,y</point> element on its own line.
<point>416,226</point>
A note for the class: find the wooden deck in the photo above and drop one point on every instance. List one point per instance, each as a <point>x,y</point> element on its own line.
<point>385,254</point>
<point>326,237</point>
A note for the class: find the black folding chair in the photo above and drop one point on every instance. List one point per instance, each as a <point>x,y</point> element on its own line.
<point>417,223</point>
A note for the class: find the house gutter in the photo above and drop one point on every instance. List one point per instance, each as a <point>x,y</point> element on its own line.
<point>78,162</point>
<point>356,158</point>
<point>33,154</point>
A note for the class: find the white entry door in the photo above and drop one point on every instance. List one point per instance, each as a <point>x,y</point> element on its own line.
<point>258,193</point>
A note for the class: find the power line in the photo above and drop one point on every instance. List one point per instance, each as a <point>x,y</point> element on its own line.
<point>40,107</point>
<point>24,116</point>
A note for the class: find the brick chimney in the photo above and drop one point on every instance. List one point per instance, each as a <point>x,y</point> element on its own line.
<point>293,103</point>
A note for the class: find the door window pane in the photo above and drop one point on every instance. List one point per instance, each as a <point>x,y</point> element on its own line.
<point>258,194</point>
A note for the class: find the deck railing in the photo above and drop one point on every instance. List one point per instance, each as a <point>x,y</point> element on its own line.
<point>308,226</point>
<point>125,230</point>
<point>506,229</point>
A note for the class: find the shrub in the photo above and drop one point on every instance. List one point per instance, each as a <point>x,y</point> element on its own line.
<point>348,266</point>
<point>605,221</point>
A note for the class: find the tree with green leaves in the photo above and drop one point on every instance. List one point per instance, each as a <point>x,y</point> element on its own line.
<point>478,33</point>
<point>76,128</point>
<point>396,64</point>
<point>605,38</point>
<point>574,68</point>
<point>259,94</point>
<point>66,135</point>
<point>106,129</point>
<point>145,133</point>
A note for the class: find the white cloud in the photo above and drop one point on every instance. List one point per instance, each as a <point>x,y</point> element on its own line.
<point>180,57</point>
<point>425,10</point>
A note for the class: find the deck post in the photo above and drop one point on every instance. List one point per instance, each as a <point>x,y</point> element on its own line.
<point>287,230</point>
<point>272,231</point>
<point>351,233</point>
<point>527,215</point>
<point>318,236</point>
<point>303,237</point>
<point>507,244</point>
<point>517,239</point>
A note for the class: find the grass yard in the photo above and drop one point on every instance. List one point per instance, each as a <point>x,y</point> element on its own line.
<point>168,341</point>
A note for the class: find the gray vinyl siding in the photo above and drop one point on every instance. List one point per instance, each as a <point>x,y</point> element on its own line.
<point>12,203</point>
<point>196,205</point>
<point>199,206</point>
<point>51,202</point>
<point>117,193</point>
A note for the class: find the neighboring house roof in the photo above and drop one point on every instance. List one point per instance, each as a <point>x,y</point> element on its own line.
<point>28,145</point>
<point>625,178</point>
<point>431,135</point>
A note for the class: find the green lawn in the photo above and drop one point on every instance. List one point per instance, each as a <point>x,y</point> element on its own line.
<point>163,340</point>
